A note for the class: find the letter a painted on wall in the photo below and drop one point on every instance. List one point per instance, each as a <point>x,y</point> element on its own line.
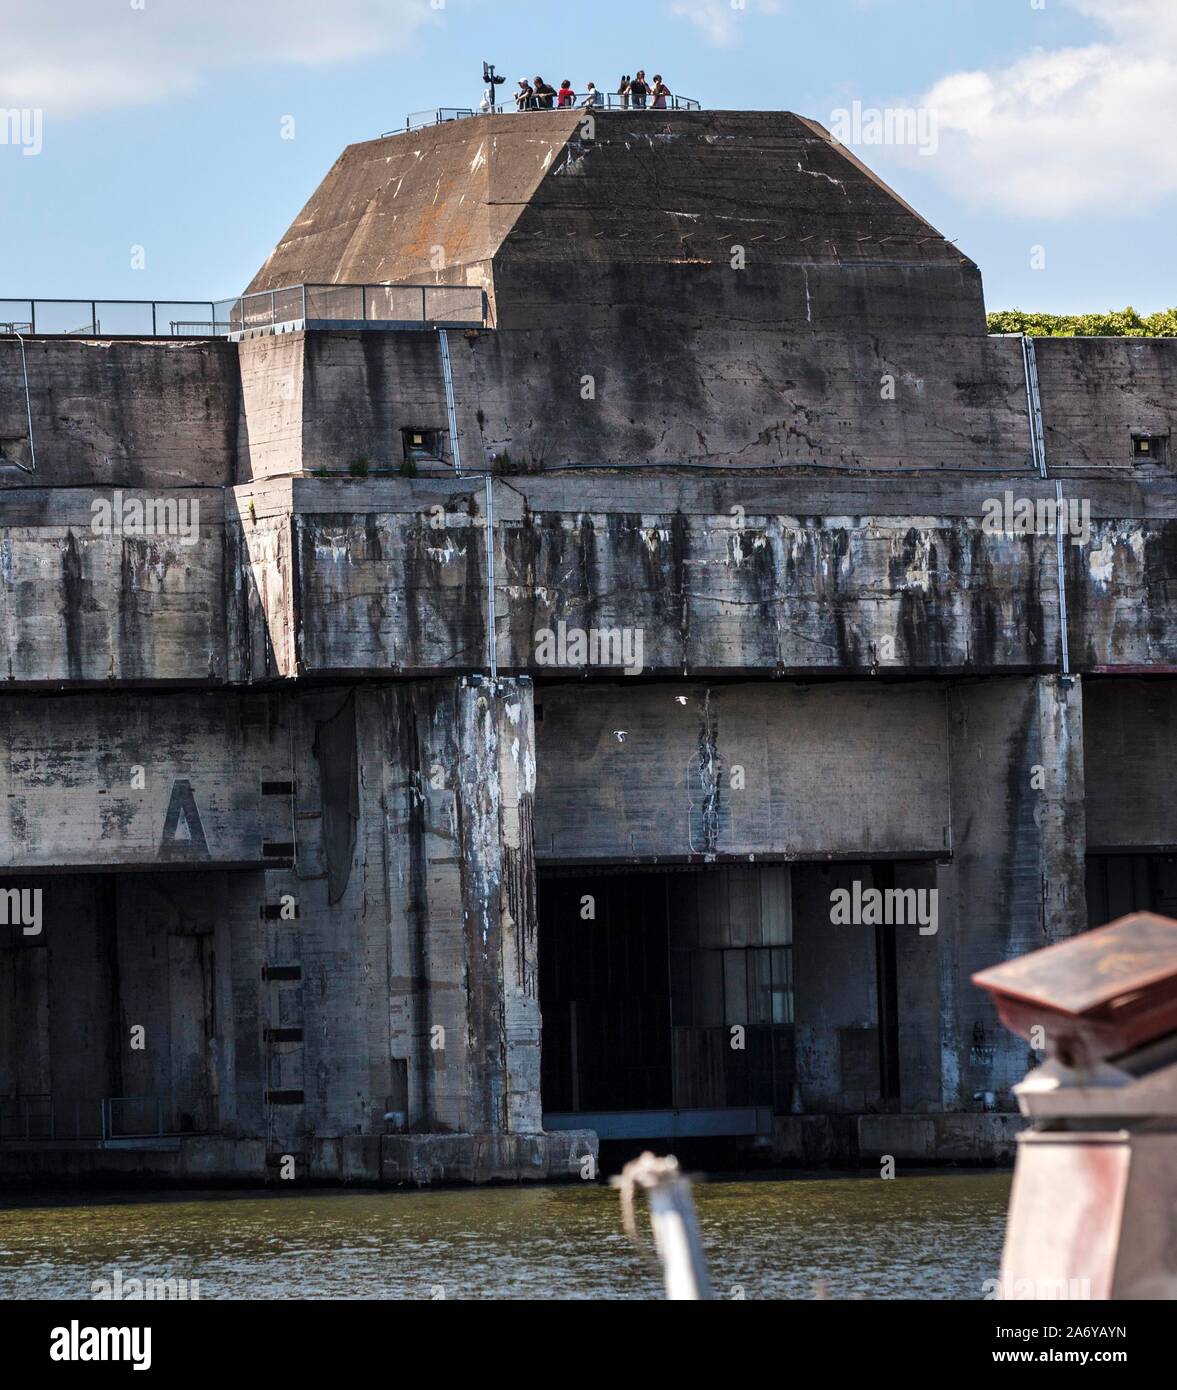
<point>183,804</point>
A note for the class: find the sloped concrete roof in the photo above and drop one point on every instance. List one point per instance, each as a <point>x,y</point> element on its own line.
<point>386,205</point>
<point>649,187</point>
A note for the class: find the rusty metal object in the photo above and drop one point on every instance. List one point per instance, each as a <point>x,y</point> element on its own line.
<point>1097,995</point>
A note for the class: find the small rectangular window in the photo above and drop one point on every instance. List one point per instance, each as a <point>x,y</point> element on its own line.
<point>422,444</point>
<point>1147,447</point>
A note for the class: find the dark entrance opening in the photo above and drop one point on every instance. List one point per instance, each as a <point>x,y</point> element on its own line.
<point>604,984</point>
<point>1121,883</point>
<point>667,1000</point>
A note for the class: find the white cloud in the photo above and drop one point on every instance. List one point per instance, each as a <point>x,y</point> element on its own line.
<point>1069,130</point>
<point>719,21</point>
<point>73,56</point>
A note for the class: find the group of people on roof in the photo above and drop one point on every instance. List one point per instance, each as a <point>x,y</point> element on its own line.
<point>636,91</point>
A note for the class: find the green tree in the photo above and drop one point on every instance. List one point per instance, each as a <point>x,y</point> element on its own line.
<point>1115,323</point>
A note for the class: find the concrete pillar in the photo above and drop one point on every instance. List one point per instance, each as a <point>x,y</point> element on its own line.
<point>464,992</point>
<point>1016,878</point>
<point>463,984</point>
<point>1062,816</point>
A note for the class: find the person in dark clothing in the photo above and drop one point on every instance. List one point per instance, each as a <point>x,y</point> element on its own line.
<point>545,96</point>
<point>639,90</point>
<point>524,97</point>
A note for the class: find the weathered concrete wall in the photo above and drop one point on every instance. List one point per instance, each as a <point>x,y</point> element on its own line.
<point>367,576</point>
<point>122,414</point>
<point>838,771</point>
<point>794,396</point>
<point>771,575</point>
<point>553,396</point>
<point>392,573</point>
<point>270,437</point>
<point>84,603</point>
<point>403,593</point>
<point>1097,391</point>
<point>389,966</point>
<point>1015,880</point>
<point>983,782</point>
<point>261,575</point>
<point>136,781</point>
<point>361,390</point>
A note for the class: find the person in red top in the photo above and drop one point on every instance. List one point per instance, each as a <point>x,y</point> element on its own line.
<point>566,96</point>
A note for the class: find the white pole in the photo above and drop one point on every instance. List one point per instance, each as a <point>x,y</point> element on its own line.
<point>672,1216</point>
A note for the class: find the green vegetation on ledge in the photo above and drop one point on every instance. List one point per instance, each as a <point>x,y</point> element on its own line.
<point>1114,323</point>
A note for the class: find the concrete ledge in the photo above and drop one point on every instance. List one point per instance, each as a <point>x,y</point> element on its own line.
<point>424,1160</point>
<point>194,1160</point>
<point>945,1138</point>
<point>351,1158</point>
<point>404,1160</point>
<point>814,1140</point>
<point>208,1156</point>
<point>819,1140</point>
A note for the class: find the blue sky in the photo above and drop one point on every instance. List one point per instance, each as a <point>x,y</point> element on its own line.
<point>162,120</point>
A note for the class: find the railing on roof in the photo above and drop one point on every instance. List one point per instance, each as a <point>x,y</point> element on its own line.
<point>116,318</point>
<point>417,120</point>
<point>265,311</point>
<point>358,306</point>
<point>605,101</point>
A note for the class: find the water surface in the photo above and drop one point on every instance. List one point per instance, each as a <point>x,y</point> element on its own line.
<point>936,1236</point>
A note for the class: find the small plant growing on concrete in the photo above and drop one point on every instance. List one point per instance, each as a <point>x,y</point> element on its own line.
<point>358,468</point>
<point>408,468</point>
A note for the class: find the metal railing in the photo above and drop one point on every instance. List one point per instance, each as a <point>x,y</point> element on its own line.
<point>107,1118</point>
<point>417,120</point>
<point>605,101</point>
<point>293,306</point>
<point>116,318</point>
<point>358,306</point>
